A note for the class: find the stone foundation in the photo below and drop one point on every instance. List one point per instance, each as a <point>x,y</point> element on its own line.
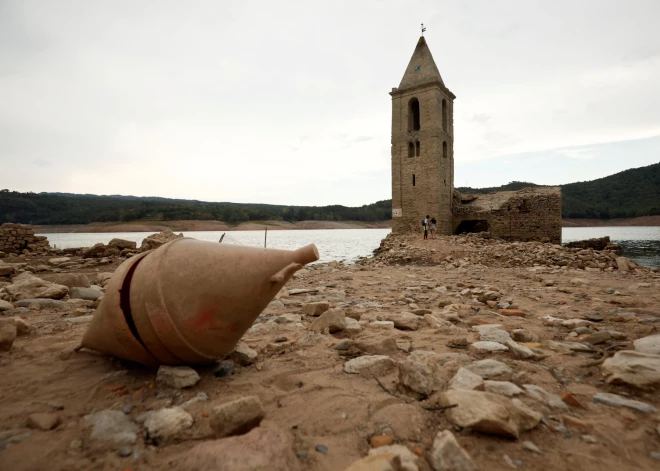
<point>16,238</point>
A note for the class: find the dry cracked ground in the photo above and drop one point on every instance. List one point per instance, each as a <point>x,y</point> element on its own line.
<point>448,354</point>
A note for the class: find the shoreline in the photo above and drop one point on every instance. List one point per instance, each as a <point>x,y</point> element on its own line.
<point>187,225</point>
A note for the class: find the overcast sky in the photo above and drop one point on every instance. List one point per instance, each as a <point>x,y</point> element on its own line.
<point>287,102</point>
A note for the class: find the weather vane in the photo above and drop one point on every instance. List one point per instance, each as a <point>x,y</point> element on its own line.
<point>423,29</point>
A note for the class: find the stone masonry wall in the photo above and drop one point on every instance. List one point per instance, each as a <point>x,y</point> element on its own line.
<point>14,238</point>
<point>525,215</point>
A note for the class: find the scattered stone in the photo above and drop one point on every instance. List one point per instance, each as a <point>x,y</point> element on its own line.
<point>503,388</point>
<point>58,261</point>
<point>289,318</point>
<point>28,286</point>
<point>488,413</point>
<point>156,240</point>
<point>331,321</point>
<point>493,335</point>
<point>5,305</point>
<point>492,347</point>
<point>369,365</point>
<point>650,344</point>
<point>381,325</point>
<point>458,343</point>
<point>262,448</point>
<point>381,462</point>
<point>43,421</point>
<point>200,397</point>
<point>377,346</point>
<point>177,377</point>
<point>619,401</point>
<point>237,417</point>
<point>529,446</point>
<point>407,457</point>
<point>381,440</point>
<point>403,320</point>
<point>112,426</point>
<point>8,334</point>
<point>167,423</point>
<point>421,373</point>
<point>224,368</point>
<point>343,345</point>
<point>72,280</point>
<point>622,264</point>
<point>123,244</point>
<point>520,351</point>
<point>88,294</point>
<point>321,449</point>
<point>491,369</point>
<point>40,304</point>
<point>598,338</point>
<point>124,452</point>
<point>465,379</point>
<point>447,454</point>
<point>541,395</point>
<point>575,422</point>
<point>512,312</point>
<point>243,355</point>
<point>316,309</point>
<point>352,326</point>
<point>6,269</point>
<point>633,368</point>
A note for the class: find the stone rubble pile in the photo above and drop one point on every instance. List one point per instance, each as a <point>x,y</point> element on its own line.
<point>18,238</point>
<point>481,249</point>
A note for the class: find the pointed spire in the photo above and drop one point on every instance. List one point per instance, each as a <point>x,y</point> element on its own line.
<point>421,68</point>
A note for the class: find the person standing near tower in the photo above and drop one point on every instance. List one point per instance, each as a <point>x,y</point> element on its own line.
<point>433,221</point>
<point>425,225</point>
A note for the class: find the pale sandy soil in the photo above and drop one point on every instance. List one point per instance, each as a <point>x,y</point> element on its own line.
<point>304,390</point>
<point>156,226</point>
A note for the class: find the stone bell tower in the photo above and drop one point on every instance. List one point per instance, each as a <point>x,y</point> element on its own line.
<point>422,146</point>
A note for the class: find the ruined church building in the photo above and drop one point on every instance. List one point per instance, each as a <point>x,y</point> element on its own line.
<point>423,169</point>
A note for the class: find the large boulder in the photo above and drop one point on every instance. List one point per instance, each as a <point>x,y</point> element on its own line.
<point>487,413</point>
<point>331,321</point>
<point>650,344</point>
<point>156,240</point>
<point>122,244</point>
<point>637,369</point>
<point>28,286</point>
<point>261,448</point>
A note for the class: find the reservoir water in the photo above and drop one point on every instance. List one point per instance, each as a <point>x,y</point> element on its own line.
<point>641,244</point>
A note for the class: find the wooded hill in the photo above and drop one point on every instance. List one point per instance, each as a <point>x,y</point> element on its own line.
<point>631,193</point>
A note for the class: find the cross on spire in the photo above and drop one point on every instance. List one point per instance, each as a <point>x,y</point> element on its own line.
<point>423,29</point>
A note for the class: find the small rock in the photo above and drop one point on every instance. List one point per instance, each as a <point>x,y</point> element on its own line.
<point>112,426</point>
<point>650,344</point>
<point>237,417</point>
<point>407,457</point>
<point>465,379</point>
<point>403,320</point>
<point>377,346</point>
<point>520,351</point>
<point>321,449</point>
<point>316,309</point>
<point>381,462</point>
<point>352,326</point>
<point>128,408</point>
<point>529,446</point>
<point>590,439</point>
<point>481,347</point>
<point>177,377</point>
<point>289,318</point>
<point>633,368</point>
<point>332,321</point>
<point>491,369</point>
<point>619,401</point>
<point>447,454</point>
<point>512,312</point>
<point>598,338</point>
<point>262,448</point>
<point>43,421</point>
<point>5,305</point>
<point>89,294</point>
<point>72,279</point>
<point>369,364</point>
<point>493,335</point>
<point>343,344</point>
<point>541,395</point>
<point>421,373</point>
<point>503,388</point>
<point>124,451</point>
<point>381,440</point>
<point>243,355</point>
<point>8,334</point>
<point>167,423</point>
<point>224,368</point>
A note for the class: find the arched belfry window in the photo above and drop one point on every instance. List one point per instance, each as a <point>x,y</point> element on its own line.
<point>418,149</point>
<point>444,149</point>
<point>413,115</point>
<point>444,116</point>
<point>411,149</point>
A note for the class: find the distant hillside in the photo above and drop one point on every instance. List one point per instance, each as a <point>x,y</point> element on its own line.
<point>628,194</point>
<point>62,208</point>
